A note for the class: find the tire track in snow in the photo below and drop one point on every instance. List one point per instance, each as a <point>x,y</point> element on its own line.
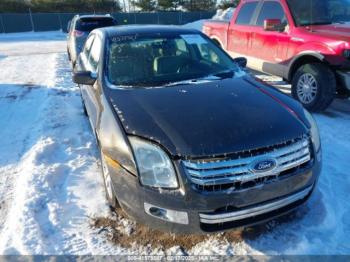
<point>57,176</point>
<point>19,109</point>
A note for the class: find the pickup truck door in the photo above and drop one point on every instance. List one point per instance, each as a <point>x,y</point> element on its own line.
<point>240,28</point>
<point>269,48</point>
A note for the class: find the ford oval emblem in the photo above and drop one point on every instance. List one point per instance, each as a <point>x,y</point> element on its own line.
<point>265,165</point>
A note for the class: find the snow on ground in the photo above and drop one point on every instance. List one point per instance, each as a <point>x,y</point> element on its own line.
<point>15,44</point>
<point>48,158</point>
<point>51,187</point>
<point>225,15</point>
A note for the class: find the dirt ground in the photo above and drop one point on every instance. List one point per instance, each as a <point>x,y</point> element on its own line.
<point>124,232</point>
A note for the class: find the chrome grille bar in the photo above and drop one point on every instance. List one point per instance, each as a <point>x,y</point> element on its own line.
<point>240,170</point>
<point>254,211</point>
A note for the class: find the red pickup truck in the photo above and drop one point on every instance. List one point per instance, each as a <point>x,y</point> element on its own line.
<point>306,42</point>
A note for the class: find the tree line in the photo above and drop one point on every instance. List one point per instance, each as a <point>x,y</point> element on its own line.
<point>12,6</point>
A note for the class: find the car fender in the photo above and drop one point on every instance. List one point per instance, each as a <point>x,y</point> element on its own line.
<point>112,138</point>
<point>312,52</point>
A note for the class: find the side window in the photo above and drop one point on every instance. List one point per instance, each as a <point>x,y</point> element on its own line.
<point>245,13</point>
<point>208,54</point>
<point>271,10</point>
<point>87,46</point>
<point>69,26</point>
<point>72,24</point>
<point>94,55</point>
<point>181,48</point>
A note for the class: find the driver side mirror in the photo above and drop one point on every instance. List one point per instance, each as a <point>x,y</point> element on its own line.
<point>273,25</point>
<point>241,61</point>
<point>84,77</point>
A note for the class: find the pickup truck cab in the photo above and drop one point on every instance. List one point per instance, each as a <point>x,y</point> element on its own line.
<point>307,43</point>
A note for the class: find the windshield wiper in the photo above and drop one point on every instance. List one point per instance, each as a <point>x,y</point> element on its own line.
<point>182,82</point>
<point>186,82</point>
<point>225,74</point>
<point>212,77</point>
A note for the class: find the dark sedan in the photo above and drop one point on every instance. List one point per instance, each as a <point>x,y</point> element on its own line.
<point>189,141</point>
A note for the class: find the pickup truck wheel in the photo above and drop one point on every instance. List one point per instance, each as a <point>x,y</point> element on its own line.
<point>314,85</point>
<point>112,200</point>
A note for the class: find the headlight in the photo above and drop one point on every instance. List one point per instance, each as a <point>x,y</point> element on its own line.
<point>315,136</point>
<point>155,167</point>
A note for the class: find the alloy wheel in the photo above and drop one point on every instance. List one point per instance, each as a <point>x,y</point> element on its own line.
<point>307,88</point>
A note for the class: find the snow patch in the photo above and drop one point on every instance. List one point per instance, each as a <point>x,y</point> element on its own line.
<point>32,36</point>
<point>224,15</point>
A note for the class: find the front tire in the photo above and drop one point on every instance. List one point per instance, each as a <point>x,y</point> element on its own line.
<point>314,85</point>
<point>107,180</point>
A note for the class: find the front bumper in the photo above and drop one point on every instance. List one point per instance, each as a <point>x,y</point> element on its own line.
<point>256,210</point>
<point>214,211</point>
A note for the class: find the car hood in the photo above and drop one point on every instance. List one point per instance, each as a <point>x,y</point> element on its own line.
<point>334,31</point>
<point>207,119</point>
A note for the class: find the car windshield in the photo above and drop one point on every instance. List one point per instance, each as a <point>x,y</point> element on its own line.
<point>319,12</point>
<point>89,24</point>
<point>146,61</point>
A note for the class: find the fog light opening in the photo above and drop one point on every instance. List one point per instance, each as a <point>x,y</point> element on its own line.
<point>169,215</point>
<point>158,212</point>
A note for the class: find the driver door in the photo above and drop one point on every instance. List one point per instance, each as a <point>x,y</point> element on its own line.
<point>270,47</point>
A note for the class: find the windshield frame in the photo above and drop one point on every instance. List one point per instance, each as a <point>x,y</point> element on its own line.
<point>162,84</point>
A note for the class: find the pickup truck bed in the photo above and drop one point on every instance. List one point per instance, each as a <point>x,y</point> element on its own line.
<point>218,29</point>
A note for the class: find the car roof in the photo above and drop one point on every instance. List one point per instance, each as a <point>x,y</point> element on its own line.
<point>145,29</point>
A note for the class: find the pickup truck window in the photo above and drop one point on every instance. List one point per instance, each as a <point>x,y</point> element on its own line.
<point>311,12</point>
<point>91,23</point>
<point>271,10</point>
<point>151,61</point>
<point>246,13</point>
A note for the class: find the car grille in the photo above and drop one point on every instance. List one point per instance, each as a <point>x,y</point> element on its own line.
<point>237,171</point>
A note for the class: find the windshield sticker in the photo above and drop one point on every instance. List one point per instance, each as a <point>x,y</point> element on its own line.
<point>123,38</point>
<point>193,39</point>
